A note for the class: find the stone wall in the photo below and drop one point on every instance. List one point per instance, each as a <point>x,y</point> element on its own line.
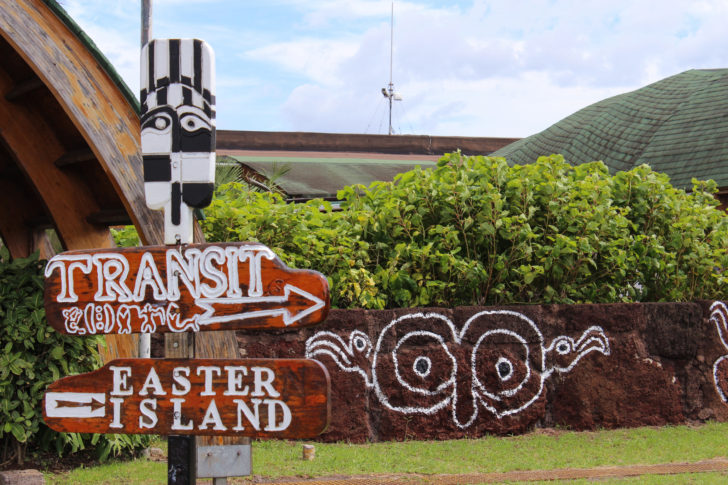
<point>451,373</point>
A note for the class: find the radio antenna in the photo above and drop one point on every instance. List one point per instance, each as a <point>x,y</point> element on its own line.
<point>389,92</point>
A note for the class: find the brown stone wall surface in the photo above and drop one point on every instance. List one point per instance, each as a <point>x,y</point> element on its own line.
<point>444,373</point>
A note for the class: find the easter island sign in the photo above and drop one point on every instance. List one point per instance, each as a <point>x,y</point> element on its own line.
<point>265,398</point>
<point>154,289</point>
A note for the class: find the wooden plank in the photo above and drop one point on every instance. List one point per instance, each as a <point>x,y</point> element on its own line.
<point>42,243</point>
<point>150,289</point>
<point>261,398</point>
<point>75,157</point>
<point>39,222</point>
<point>366,143</point>
<point>109,217</point>
<point>16,233</point>
<point>23,88</point>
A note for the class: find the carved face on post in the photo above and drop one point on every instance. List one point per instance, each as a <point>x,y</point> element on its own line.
<point>178,131</point>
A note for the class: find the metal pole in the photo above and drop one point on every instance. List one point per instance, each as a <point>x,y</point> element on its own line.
<point>146,21</point>
<point>145,339</point>
<point>391,44</point>
<point>390,109</point>
<point>391,57</point>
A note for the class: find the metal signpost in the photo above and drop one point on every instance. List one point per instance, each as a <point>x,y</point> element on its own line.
<point>181,289</point>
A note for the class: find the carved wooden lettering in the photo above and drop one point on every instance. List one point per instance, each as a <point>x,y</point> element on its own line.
<point>150,289</point>
<point>244,397</point>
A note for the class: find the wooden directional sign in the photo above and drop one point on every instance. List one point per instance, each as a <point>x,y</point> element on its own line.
<point>224,286</point>
<point>271,398</point>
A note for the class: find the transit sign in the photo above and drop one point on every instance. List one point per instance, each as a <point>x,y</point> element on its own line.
<point>155,289</point>
<point>261,398</point>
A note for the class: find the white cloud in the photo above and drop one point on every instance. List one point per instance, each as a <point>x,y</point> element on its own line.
<point>507,69</point>
<point>310,57</point>
<point>480,67</point>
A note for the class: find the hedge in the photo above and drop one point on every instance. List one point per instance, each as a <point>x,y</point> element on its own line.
<point>475,230</point>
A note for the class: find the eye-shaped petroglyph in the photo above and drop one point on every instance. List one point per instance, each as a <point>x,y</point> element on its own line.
<point>414,366</point>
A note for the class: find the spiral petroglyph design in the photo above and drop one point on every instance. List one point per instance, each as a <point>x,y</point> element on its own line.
<point>422,364</point>
<point>719,316</point>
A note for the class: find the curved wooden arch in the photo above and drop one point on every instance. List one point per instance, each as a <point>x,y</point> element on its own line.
<point>87,168</point>
<point>69,142</point>
<point>70,154</point>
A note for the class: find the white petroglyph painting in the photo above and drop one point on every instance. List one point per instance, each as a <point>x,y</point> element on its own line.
<point>719,316</point>
<point>413,368</point>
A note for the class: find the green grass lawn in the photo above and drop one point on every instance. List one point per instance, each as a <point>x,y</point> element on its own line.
<point>535,451</point>
<point>681,479</point>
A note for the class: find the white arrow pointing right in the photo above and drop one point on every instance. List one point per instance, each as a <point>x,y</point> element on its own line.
<point>75,404</point>
<point>208,305</point>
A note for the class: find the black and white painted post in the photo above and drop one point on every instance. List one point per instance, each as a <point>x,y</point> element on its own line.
<point>178,150</point>
<point>178,131</point>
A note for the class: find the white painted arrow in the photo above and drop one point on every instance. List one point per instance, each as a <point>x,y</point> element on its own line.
<point>209,317</point>
<point>75,404</point>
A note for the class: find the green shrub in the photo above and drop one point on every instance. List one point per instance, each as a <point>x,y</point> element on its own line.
<point>476,231</point>
<point>33,356</point>
<point>126,236</point>
<point>309,235</point>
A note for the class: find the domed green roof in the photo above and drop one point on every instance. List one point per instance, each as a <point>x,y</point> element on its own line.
<point>678,126</point>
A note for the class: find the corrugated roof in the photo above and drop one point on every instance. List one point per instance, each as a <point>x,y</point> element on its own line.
<point>678,126</point>
<point>311,177</point>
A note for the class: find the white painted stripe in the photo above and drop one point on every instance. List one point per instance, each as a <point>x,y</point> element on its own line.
<point>208,68</point>
<point>186,53</point>
<point>161,59</point>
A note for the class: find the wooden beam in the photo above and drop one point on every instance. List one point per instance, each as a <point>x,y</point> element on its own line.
<point>344,142</point>
<point>24,88</point>
<point>109,217</point>
<point>16,234</point>
<point>67,198</point>
<point>10,170</point>
<point>43,244</point>
<point>39,222</point>
<point>74,157</point>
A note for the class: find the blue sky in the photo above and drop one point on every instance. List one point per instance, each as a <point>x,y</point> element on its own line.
<point>470,68</point>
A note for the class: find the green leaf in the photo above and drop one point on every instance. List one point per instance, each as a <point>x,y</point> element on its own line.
<point>57,352</point>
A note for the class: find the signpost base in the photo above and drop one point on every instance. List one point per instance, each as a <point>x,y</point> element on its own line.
<point>181,460</point>
<point>219,462</point>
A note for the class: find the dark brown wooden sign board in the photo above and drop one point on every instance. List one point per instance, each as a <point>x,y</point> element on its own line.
<point>155,289</point>
<point>259,398</point>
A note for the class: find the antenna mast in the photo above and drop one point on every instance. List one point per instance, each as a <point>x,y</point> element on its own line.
<point>389,92</point>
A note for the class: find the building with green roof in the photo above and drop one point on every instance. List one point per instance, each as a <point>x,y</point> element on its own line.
<point>678,126</point>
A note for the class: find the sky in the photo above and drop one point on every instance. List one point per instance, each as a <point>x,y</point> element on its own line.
<point>505,68</point>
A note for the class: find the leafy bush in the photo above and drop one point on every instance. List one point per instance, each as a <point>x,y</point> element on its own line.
<point>309,235</point>
<point>126,236</point>
<point>33,356</point>
<point>476,231</point>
